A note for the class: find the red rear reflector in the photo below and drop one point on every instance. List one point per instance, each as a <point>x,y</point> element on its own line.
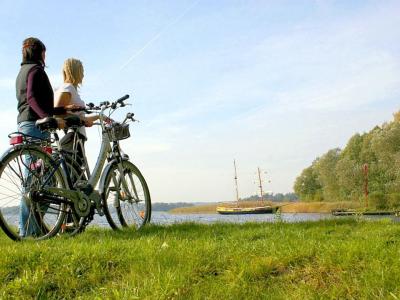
<point>17,139</point>
<point>48,149</point>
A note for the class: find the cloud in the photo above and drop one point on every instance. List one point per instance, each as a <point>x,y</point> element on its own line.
<point>293,96</point>
<point>277,99</point>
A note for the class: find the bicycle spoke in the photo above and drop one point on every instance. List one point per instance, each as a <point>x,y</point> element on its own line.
<point>133,187</point>
<point>129,189</point>
<point>18,186</point>
<point>9,189</point>
<point>8,197</point>
<point>22,172</point>
<point>19,176</point>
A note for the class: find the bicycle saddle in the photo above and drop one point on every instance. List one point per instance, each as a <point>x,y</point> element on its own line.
<point>47,123</point>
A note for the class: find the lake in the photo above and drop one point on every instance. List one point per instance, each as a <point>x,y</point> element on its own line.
<point>164,218</point>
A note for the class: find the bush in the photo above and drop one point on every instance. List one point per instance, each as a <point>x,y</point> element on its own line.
<point>378,200</point>
<point>394,200</point>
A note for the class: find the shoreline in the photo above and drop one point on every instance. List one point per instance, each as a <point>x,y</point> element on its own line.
<point>284,207</point>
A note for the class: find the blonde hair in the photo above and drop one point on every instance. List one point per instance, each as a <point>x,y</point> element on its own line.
<point>73,71</point>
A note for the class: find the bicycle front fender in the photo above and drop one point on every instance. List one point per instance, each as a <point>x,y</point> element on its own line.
<point>103,177</point>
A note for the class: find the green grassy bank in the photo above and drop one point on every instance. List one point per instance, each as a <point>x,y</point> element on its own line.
<point>340,259</point>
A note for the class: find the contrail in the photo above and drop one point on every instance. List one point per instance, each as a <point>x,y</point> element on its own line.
<point>157,36</point>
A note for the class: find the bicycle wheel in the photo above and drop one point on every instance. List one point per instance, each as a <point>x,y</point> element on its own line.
<point>126,204</point>
<point>24,171</point>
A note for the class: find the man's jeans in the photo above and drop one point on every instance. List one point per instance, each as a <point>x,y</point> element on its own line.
<point>27,222</point>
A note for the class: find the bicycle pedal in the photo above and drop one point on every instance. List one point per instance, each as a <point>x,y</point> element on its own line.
<point>96,199</point>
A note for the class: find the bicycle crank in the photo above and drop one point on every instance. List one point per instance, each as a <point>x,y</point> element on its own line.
<point>80,201</point>
<point>82,206</point>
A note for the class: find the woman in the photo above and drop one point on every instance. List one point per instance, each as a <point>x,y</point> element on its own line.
<point>67,96</point>
<point>33,88</point>
<point>35,101</point>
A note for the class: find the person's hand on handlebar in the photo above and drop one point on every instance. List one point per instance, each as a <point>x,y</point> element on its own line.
<point>108,120</point>
<point>89,120</point>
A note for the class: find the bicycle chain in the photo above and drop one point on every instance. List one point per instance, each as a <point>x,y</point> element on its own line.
<point>89,218</point>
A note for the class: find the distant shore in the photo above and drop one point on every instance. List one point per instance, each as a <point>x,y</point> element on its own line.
<point>285,207</point>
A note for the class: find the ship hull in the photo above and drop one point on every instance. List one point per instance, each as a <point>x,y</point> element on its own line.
<point>245,210</point>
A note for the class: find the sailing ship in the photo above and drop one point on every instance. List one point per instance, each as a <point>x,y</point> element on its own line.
<point>261,209</point>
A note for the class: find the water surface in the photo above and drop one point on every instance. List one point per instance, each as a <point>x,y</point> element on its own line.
<point>165,218</point>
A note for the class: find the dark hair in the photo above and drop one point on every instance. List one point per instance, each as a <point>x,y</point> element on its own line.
<point>32,49</point>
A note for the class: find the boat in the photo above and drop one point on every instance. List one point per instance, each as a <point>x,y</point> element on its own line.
<point>223,210</point>
<point>232,210</point>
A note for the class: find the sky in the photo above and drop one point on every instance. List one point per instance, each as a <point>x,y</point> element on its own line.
<point>271,84</point>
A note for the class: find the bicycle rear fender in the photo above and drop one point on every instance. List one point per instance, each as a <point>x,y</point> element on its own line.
<point>33,147</point>
<point>19,147</point>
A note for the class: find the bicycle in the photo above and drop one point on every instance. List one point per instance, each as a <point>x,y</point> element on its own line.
<point>56,189</point>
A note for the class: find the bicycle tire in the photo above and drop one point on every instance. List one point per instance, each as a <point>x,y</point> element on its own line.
<point>23,170</point>
<point>120,211</point>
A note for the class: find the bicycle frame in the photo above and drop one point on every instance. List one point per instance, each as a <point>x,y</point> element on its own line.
<point>51,179</point>
<point>98,175</point>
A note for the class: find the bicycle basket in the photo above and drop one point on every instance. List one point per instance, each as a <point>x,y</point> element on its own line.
<point>119,131</point>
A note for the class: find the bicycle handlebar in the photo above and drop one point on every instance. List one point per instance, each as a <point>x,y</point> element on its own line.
<point>79,109</point>
<point>122,99</point>
<point>107,104</point>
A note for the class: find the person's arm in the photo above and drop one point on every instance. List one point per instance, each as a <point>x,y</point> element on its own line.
<point>63,101</point>
<point>63,104</point>
<point>35,79</point>
<point>90,119</point>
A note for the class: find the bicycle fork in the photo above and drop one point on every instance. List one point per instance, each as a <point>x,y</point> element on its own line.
<point>125,188</point>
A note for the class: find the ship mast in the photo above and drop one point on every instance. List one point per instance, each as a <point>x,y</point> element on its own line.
<point>260,186</point>
<point>236,184</point>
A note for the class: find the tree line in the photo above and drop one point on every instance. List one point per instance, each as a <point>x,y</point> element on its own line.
<point>272,197</point>
<point>341,175</point>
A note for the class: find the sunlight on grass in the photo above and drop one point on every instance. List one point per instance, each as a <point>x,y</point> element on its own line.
<point>326,259</point>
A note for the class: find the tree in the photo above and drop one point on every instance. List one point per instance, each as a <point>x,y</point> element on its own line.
<point>338,175</point>
<point>307,186</point>
<point>325,169</point>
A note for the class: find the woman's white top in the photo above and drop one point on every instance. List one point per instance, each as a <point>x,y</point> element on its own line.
<point>75,99</point>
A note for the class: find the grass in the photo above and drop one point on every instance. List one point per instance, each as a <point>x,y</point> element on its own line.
<point>333,259</point>
<point>286,207</point>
